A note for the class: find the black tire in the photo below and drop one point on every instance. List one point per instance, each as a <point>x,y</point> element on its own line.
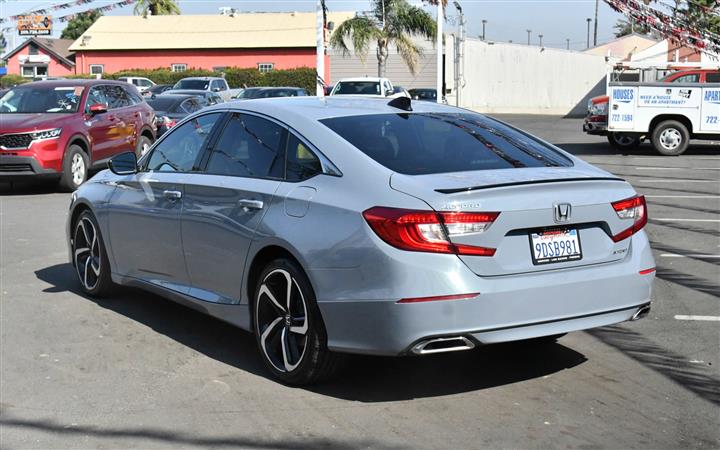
<point>86,235</point>
<point>670,138</point>
<point>76,166</point>
<point>623,141</point>
<point>306,359</point>
<point>143,145</point>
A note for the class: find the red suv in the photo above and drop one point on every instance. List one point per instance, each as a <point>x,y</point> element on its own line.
<point>65,128</point>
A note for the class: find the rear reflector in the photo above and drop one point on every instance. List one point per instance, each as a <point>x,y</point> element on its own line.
<point>647,271</point>
<point>429,231</point>
<point>438,298</point>
<point>633,208</point>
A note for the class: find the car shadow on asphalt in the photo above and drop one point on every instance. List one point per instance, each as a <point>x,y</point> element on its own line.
<point>34,187</point>
<point>362,378</point>
<point>604,149</point>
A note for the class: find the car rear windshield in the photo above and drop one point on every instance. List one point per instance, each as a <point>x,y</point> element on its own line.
<point>357,88</point>
<point>164,104</point>
<point>192,84</point>
<point>427,143</point>
<point>41,99</point>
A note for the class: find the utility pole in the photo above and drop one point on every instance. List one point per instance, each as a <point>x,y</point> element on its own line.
<point>459,54</point>
<point>568,43</point>
<point>588,31</point>
<point>439,45</point>
<point>320,49</point>
<point>483,24</point>
<point>540,36</point>
<point>596,24</point>
<point>528,32</point>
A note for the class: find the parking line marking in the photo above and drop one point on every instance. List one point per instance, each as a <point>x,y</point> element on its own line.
<point>682,196</point>
<point>677,168</point>
<point>670,219</point>
<point>676,180</point>
<point>703,318</point>
<point>689,255</point>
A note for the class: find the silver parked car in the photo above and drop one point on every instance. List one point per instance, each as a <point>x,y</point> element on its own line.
<point>358,225</point>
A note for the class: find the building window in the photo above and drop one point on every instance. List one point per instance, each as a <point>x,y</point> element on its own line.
<point>179,67</point>
<point>97,69</point>
<point>32,49</point>
<point>30,71</point>
<point>266,67</point>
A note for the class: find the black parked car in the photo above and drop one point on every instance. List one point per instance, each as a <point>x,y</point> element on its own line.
<point>171,108</point>
<point>266,92</point>
<point>428,94</point>
<point>211,98</point>
<point>156,90</point>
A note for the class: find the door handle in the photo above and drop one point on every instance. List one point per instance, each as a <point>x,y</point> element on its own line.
<point>251,204</point>
<point>172,195</point>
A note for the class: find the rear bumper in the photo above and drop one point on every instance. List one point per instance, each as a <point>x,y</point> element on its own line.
<point>508,308</point>
<point>12,166</point>
<point>595,128</point>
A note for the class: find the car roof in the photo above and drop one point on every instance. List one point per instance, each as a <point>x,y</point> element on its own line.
<point>291,109</point>
<point>171,96</point>
<point>202,78</point>
<point>375,79</point>
<point>187,91</point>
<point>73,82</point>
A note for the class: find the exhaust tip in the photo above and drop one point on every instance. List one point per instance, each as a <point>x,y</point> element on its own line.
<point>641,312</point>
<point>443,345</point>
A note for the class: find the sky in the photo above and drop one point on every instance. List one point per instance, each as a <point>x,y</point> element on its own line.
<point>556,20</point>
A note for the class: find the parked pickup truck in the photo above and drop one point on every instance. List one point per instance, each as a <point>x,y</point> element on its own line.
<point>212,84</point>
<point>667,114</point>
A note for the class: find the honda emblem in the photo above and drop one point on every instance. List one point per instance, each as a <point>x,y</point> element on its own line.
<point>562,212</point>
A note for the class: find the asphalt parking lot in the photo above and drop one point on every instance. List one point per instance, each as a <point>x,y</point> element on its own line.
<point>136,371</point>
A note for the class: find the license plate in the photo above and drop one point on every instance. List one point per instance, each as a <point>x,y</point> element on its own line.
<point>554,246</point>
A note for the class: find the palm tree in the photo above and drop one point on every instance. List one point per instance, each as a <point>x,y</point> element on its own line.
<point>391,22</point>
<point>156,7</point>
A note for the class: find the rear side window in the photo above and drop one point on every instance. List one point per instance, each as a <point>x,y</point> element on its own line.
<point>302,163</point>
<point>117,97</point>
<point>691,78</point>
<point>249,146</point>
<point>422,143</point>
<point>712,77</point>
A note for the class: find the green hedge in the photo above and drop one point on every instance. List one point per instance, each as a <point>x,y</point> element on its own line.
<point>236,77</point>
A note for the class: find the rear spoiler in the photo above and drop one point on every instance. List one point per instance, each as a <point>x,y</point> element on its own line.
<point>520,183</point>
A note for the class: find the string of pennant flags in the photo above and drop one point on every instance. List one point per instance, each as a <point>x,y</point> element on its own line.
<point>56,7</point>
<point>68,17</point>
<point>677,28</point>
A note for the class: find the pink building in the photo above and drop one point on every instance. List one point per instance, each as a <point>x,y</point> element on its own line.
<point>266,41</point>
<point>41,58</point>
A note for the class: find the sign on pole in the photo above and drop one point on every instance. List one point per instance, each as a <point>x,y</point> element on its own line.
<point>34,25</point>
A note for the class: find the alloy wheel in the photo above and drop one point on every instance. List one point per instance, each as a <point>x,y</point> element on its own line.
<point>670,138</point>
<point>77,168</point>
<point>86,251</point>
<point>282,320</point>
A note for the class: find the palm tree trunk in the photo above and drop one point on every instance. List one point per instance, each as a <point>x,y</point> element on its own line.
<point>382,56</point>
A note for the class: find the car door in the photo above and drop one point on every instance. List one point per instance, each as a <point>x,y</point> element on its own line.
<point>223,206</point>
<point>101,127</point>
<point>144,212</point>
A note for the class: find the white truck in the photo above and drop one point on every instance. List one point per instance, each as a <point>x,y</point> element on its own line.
<point>667,114</point>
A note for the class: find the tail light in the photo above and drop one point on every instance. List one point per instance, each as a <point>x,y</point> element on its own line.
<point>165,120</point>
<point>632,208</point>
<point>429,231</point>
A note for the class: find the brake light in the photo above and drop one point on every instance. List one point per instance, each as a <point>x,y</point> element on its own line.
<point>165,120</point>
<point>429,231</point>
<point>633,208</point>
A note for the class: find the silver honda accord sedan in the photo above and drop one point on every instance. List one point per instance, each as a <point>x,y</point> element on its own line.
<point>356,225</point>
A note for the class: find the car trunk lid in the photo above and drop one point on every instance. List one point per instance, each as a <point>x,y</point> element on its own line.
<point>528,200</point>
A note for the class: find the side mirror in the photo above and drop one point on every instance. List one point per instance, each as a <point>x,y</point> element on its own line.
<point>123,164</point>
<point>98,108</point>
